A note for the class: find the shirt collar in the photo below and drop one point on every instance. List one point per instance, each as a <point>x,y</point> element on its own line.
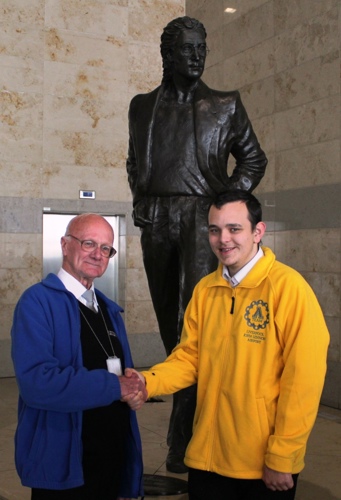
<point>74,286</point>
<point>240,275</point>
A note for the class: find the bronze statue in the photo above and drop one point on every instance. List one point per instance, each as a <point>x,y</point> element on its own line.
<point>180,137</point>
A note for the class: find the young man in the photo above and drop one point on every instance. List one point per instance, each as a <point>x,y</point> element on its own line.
<point>77,438</point>
<point>255,341</point>
<point>180,138</point>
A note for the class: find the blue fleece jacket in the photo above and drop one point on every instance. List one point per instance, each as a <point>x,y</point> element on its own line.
<point>55,388</point>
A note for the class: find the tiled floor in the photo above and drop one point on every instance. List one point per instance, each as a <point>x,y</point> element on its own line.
<point>320,480</point>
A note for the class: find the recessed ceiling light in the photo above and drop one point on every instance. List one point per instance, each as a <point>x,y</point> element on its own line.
<point>230,10</point>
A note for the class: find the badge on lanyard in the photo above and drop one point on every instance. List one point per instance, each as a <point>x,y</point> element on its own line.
<point>114,365</point>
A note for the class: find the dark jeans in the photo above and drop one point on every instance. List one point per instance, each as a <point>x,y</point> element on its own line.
<point>176,255</point>
<point>203,485</point>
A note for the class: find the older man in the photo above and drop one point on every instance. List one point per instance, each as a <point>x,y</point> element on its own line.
<point>181,136</point>
<point>77,437</point>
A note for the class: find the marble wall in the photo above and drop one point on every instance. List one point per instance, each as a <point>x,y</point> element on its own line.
<point>284,57</point>
<point>68,71</point>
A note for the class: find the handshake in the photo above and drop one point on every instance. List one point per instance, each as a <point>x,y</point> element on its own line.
<point>133,388</point>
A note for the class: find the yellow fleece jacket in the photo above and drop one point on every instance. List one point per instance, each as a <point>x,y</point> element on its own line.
<point>258,353</point>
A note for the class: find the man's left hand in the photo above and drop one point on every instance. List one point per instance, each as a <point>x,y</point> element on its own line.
<point>135,401</point>
<point>275,480</point>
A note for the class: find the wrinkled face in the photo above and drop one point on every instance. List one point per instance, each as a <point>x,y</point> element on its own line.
<point>82,265</point>
<point>189,55</point>
<point>231,236</point>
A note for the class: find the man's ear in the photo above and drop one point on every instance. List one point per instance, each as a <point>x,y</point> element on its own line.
<point>259,231</point>
<point>63,243</point>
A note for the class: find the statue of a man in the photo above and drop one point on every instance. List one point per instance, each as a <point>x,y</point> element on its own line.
<point>180,137</point>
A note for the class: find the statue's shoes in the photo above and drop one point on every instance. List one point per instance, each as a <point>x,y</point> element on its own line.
<point>175,463</point>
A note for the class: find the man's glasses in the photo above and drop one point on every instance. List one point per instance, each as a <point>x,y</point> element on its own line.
<point>189,49</point>
<point>90,246</point>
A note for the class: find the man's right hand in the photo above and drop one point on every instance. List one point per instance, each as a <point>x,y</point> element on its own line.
<point>131,384</point>
<point>133,389</point>
<point>128,372</point>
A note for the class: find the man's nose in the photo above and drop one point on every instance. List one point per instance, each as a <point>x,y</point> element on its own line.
<point>225,235</point>
<point>96,253</point>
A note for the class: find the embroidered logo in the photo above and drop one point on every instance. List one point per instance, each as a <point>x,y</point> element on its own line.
<point>257,315</point>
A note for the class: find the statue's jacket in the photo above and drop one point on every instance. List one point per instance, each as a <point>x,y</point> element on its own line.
<point>260,365</point>
<point>221,128</point>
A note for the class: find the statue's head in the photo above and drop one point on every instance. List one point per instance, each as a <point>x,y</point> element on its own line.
<point>170,42</point>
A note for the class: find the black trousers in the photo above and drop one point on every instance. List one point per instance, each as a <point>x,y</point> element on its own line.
<point>203,485</point>
<point>176,255</point>
<point>102,481</point>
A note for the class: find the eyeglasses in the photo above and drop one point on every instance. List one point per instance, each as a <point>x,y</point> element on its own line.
<point>90,246</point>
<point>189,49</point>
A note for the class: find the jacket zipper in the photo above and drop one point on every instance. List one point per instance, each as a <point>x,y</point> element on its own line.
<point>232,305</point>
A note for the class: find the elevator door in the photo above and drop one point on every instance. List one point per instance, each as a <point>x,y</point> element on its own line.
<point>54,226</point>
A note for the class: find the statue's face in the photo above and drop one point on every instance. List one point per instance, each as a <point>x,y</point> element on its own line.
<point>189,55</point>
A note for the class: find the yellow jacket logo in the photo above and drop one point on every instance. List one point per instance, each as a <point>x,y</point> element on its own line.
<point>257,315</point>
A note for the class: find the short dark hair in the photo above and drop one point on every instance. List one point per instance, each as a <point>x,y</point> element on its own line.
<point>253,206</point>
<point>169,37</point>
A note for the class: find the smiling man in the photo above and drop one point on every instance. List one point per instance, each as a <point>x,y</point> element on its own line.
<point>255,341</point>
<point>230,237</point>
<point>77,436</point>
<point>180,138</point>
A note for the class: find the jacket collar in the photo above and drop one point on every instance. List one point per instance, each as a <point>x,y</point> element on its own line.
<point>256,275</point>
<point>52,281</point>
<point>202,92</point>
